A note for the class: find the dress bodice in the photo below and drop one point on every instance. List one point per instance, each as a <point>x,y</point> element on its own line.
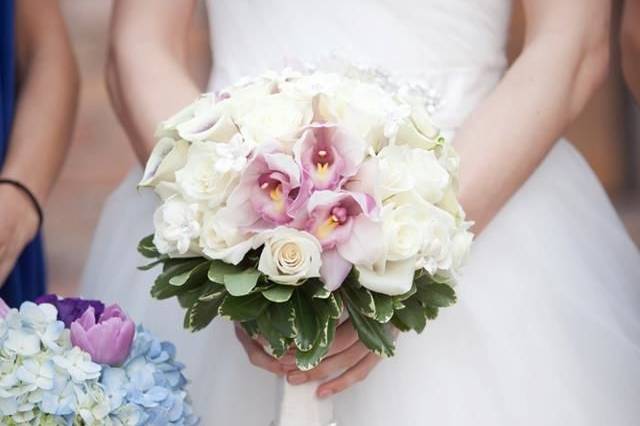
<point>456,46</point>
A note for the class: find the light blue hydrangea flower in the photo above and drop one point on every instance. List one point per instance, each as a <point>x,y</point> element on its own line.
<point>149,388</point>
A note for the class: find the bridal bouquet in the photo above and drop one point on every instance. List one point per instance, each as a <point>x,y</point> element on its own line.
<point>77,362</point>
<point>295,199</point>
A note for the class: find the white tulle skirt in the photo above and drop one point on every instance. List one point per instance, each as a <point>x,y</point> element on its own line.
<point>546,331</point>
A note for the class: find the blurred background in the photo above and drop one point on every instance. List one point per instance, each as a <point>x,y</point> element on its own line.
<point>607,134</point>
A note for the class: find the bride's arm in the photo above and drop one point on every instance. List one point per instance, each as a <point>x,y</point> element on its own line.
<point>147,74</point>
<point>564,60</point>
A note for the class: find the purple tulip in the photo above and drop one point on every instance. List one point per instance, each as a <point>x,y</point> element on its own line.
<point>4,308</point>
<point>72,308</point>
<point>107,340</point>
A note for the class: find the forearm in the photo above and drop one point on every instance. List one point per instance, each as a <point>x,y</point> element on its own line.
<point>44,114</point>
<point>630,44</point>
<point>147,89</point>
<point>510,133</point>
<point>147,73</point>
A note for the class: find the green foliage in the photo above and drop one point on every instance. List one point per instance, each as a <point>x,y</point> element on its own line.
<point>303,317</point>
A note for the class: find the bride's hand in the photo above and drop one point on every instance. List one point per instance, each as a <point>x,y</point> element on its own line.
<point>349,361</point>
<point>18,226</point>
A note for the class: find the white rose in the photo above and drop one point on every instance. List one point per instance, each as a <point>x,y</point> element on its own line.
<point>359,107</point>
<point>403,220</point>
<point>219,239</point>
<point>403,168</point>
<point>448,157</point>
<point>436,253</point>
<point>274,117</point>
<point>176,226</point>
<point>168,155</point>
<point>417,130</point>
<point>289,256</point>
<point>206,176</point>
<point>461,247</point>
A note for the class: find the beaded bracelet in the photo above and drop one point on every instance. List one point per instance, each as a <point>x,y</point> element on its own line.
<point>29,194</point>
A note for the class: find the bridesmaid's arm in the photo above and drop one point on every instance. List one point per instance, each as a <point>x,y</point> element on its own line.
<point>47,88</point>
<point>630,44</point>
<point>564,60</point>
<point>147,73</point>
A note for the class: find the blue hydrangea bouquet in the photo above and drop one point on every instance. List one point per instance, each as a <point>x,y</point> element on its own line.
<point>79,362</point>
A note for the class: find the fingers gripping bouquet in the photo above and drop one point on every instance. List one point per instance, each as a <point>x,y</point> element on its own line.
<point>294,198</point>
<point>76,362</point>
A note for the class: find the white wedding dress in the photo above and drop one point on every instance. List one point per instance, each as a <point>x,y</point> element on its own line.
<point>547,328</point>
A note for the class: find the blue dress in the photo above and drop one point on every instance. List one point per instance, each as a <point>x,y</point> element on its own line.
<point>27,280</point>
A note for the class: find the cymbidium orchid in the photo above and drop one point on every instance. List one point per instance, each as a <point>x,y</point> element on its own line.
<point>342,222</point>
<point>272,190</point>
<point>328,154</point>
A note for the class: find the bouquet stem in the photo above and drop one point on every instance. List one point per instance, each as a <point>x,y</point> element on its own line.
<point>298,406</point>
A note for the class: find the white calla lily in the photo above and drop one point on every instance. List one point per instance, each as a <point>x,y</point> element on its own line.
<point>167,156</point>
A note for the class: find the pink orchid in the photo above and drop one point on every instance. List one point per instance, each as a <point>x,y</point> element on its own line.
<point>108,339</point>
<point>272,189</point>
<point>328,155</point>
<point>346,225</point>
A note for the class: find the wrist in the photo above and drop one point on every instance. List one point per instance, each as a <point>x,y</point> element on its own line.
<point>26,208</point>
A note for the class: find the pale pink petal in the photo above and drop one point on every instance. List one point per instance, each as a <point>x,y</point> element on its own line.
<point>286,165</point>
<point>334,269</point>
<point>367,180</point>
<point>365,245</point>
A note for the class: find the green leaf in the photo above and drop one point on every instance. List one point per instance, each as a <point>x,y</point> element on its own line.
<point>219,269</point>
<point>362,299</point>
<point>304,320</point>
<point>147,248</point>
<point>283,318</point>
<point>315,288</point>
<point>153,264</point>
<point>306,360</point>
<point>436,295</point>
<point>212,291</point>
<point>374,335</point>
<point>384,307</point>
<point>397,323</point>
<point>412,315</point>
<point>278,344</point>
<point>335,306</point>
<point>251,327</point>
<point>162,289</point>
<point>243,308</point>
<point>241,283</point>
<point>200,314</point>
<point>430,312</point>
<point>197,275</point>
<point>278,293</point>
<point>408,294</point>
<point>189,297</point>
